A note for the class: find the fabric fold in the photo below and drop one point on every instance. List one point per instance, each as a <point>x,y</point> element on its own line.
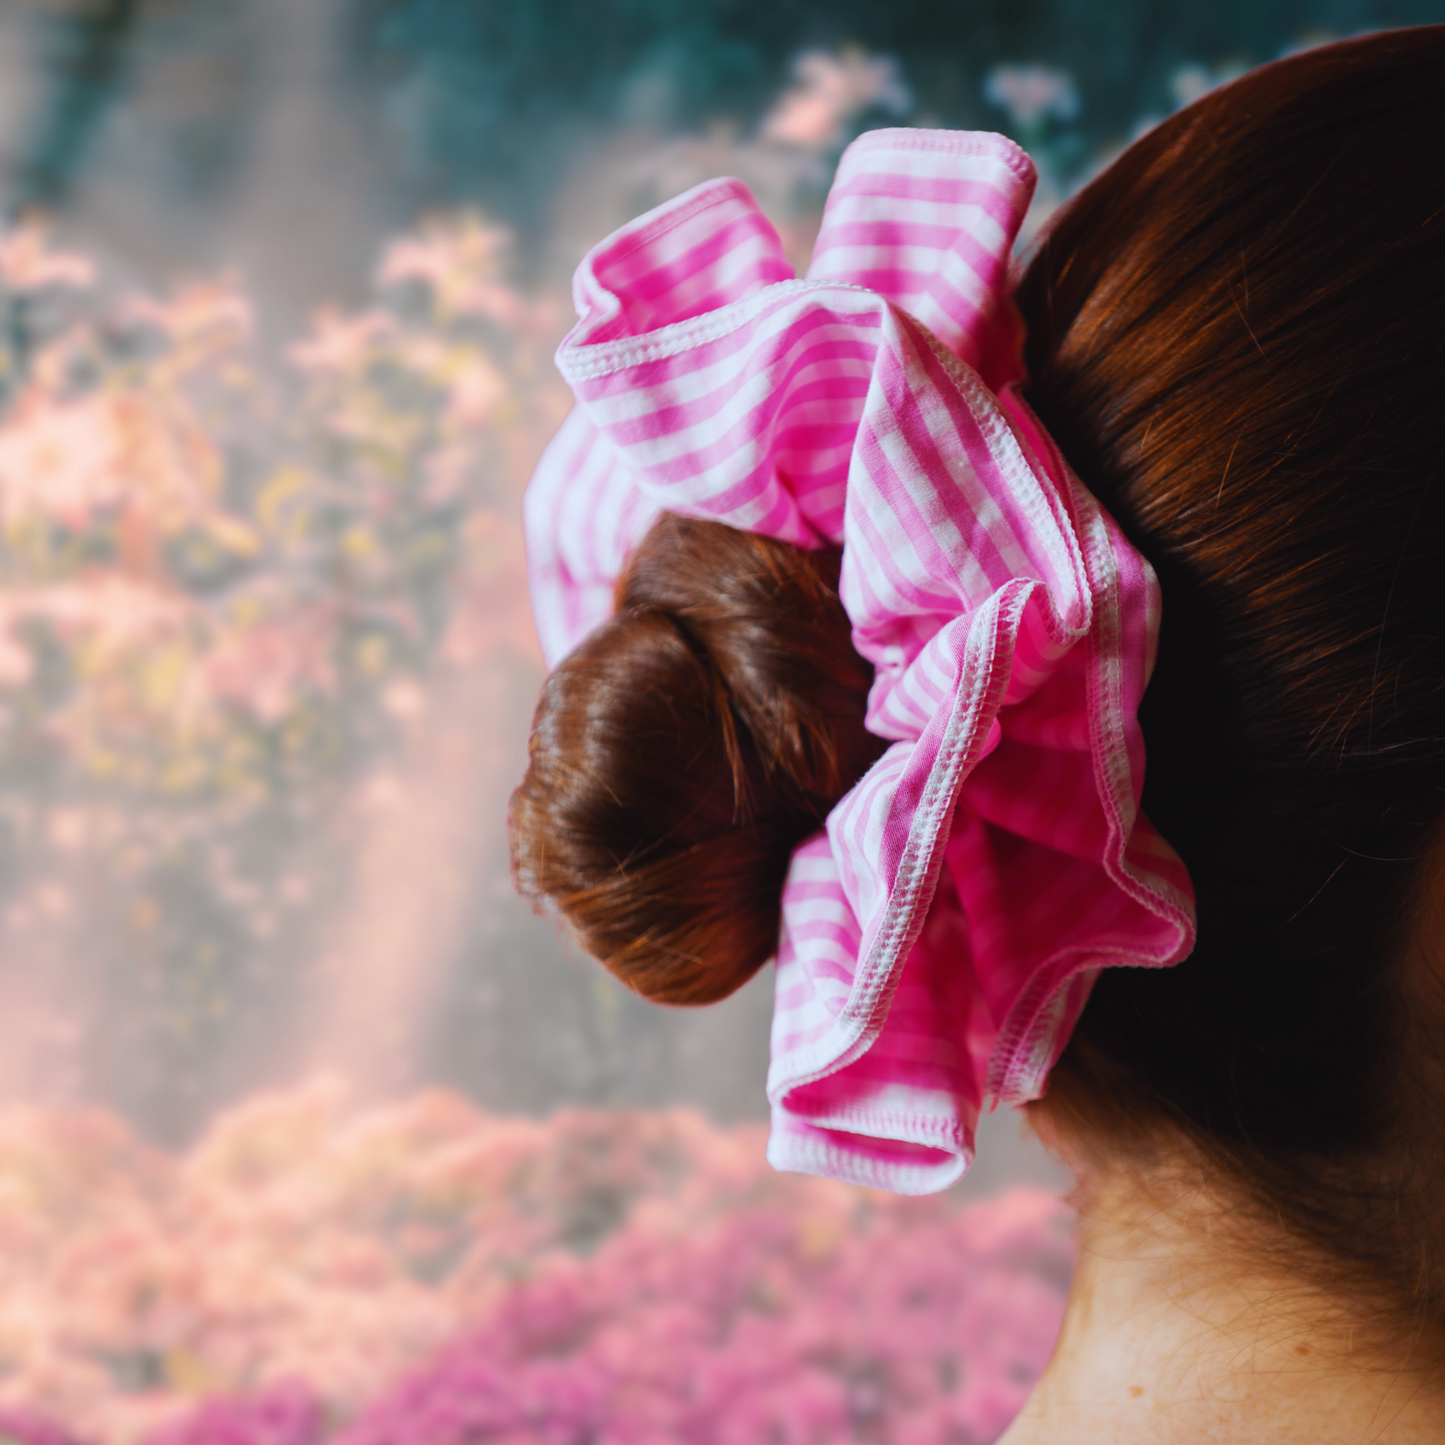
<point>939,937</point>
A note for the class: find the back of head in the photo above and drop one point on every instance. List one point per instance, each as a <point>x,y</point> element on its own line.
<point>1235,338</point>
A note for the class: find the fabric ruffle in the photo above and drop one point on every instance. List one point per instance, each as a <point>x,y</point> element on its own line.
<point>939,937</point>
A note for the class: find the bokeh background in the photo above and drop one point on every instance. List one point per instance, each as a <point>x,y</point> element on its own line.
<point>280,281</point>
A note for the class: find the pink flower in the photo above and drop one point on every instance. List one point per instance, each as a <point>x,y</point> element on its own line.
<point>1029,93</point>
<point>286,1414</point>
<point>343,345</point>
<point>830,90</point>
<point>718,1303</point>
<point>208,314</point>
<point>59,460</point>
<point>27,263</point>
<point>264,669</point>
<point>459,261</point>
<point>71,461</point>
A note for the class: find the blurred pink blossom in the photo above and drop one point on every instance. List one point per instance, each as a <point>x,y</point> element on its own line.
<point>424,1272</point>
<point>107,615</point>
<point>214,312</point>
<point>28,264</point>
<point>1031,93</point>
<point>459,259</point>
<point>17,662</point>
<point>192,532</point>
<point>341,343</point>
<point>59,461</point>
<point>266,667</point>
<point>71,461</point>
<point>829,90</point>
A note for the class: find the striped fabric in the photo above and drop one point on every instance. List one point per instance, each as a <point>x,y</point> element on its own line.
<point>940,935</point>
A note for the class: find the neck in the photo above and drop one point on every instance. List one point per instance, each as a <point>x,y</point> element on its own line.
<point>1171,1337</point>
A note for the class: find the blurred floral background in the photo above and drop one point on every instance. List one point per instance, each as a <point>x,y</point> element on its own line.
<point>308,1130</point>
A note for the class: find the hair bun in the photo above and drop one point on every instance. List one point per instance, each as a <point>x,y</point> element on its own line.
<point>684,749</point>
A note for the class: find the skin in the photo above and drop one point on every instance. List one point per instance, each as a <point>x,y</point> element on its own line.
<point>1175,1335</point>
<point>1194,1317</point>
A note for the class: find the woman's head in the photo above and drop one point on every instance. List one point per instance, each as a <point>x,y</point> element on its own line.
<point>1235,338</point>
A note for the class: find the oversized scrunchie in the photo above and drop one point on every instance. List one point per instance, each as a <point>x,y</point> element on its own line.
<point>941,934</point>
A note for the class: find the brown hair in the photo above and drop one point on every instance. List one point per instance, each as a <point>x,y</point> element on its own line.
<point>682,752</point>
<point>1235,336</point>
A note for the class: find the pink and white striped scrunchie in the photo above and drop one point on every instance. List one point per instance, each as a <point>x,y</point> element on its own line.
<point>940,935</point>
